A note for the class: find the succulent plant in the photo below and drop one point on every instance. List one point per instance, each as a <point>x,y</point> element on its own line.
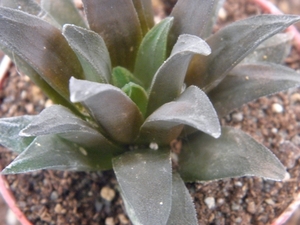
<point>124,88</point>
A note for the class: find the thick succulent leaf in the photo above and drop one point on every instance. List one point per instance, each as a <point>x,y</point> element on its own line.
<point>192,108</point>
<point>247,82</point>
<point>145,176</point>
<point>118,24</point>
<point>194,17</point>
<point>112,109</point>
<point>63,12</point>
<point>53,152</point>
<point>145,14</point>
<point>183,209</point>
<point>122,76</point>
<point>91,52</point>
<point>274,49</point>
<point>31,7</point>
<point>138,95</point>
<point>232,44</point>
<point>152,52</point>
<point>42,46</point>
<point>168,81</point>
<point>234,154</point>
<point>9,135</point>
<point>40,82</point>
<point>59,120</point>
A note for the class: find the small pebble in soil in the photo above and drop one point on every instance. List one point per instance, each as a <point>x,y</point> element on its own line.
<point>107,193</point>
<point>210,202</point>
<point>59,209</point>
<point>109,221</point>
<point>237,117</point>
<point>251,208</point>
<point>235,207</point>
<point>123,219</point>
<point>277,108</point>
<point>270,201</point>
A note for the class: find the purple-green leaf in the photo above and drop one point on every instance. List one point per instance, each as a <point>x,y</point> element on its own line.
<point>40,45</point>
<point>192,108</point>
<point>234,154</point>
<point>118,24</point>
<point>145,176</point>
<point>91,51</point>
<point>274,50</point>
<point>194,17</point>
<point>183,209</point>
<point>59,120</point>
<point>145,14</point>
<point>174,69</point>
<point>55,153</point>
<point>247,82</point>
<point>31,7</point>
<point>9,137</point>
<point>152,52</point>
<point>231,45</point>
<point>63,12</point>
<point>112,109</point>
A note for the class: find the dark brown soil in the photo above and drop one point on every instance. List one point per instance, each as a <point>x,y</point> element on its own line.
<point>51,197</point>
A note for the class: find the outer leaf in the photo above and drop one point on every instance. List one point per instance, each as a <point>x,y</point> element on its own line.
<point>234,154</point>
<point>274,50</point>
<point>31,7</point>
<point>110,107</point>
<point>46,50</point>
<point>231,45</point>
<point>152,52</point>
<point>63,12</point>
<point>39,81</point>
<point>12,126</point>
<point>121,76</point>
<point>118,23</point>
<point>52,152</point>
<point>145,14</point>
<point>192,108</point>
<point>59,120</point>
<point>167,83</point>
<point>138,95</point>
<point>194,17</point>
<point>247,82</point>
<point>146,176</point>
<point>91,51</point>
<point>183,210</point>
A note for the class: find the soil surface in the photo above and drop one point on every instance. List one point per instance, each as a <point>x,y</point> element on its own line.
<point>60,198</point>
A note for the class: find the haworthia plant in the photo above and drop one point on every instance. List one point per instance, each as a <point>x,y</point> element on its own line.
<point>125,88</point>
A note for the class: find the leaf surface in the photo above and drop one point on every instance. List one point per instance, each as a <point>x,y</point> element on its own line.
<point>121,76</point>
<point>59,120</point>
<point>167,83</point>
<point>91,51</point>
<point>234,154</point>
<point>274,50</point>
<point>145,14</point>
<point>112,109</point>
<point>231,45</point>
<point>138,95</point>
<point>247,82</point>
<point>42,46</point>
<point>192,108</point>
<point>12,126</point>
<point>145,176</point>
<point>31,7</point>
<point>63,12</point>
<point>118,24</point>
<point>183,209</point>
<point>52,152</point>
<point>194,17</point>
<point>152,52</point>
